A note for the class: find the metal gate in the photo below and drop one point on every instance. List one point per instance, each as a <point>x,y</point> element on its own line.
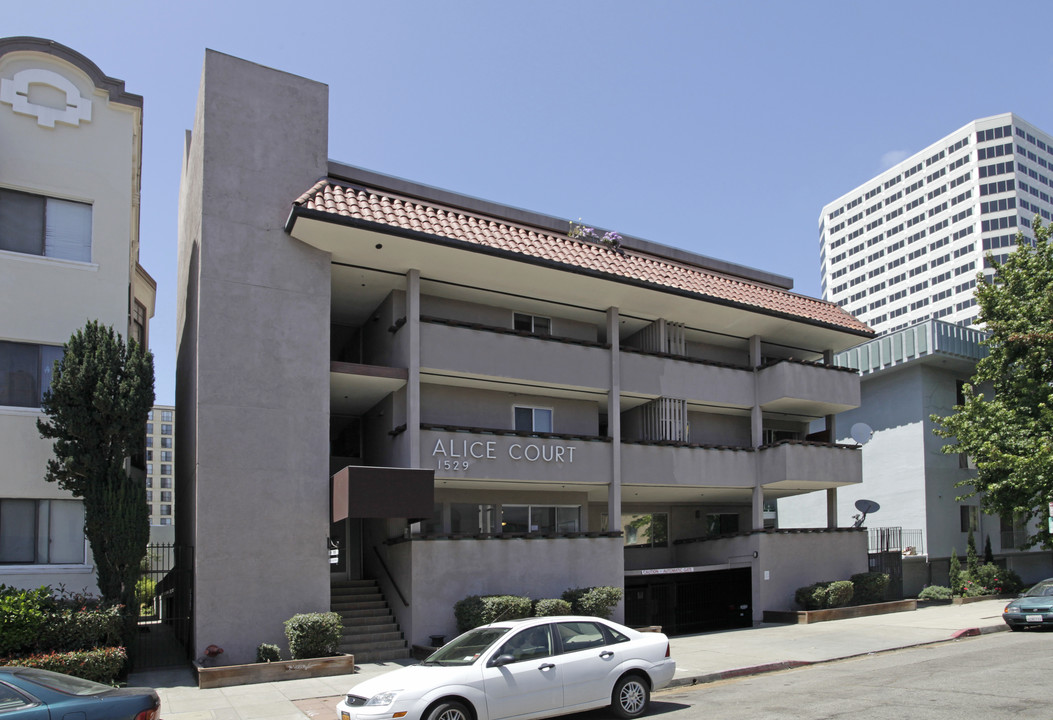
<point>164,604</point>
<point>692,602</point>
<point>886,556</point>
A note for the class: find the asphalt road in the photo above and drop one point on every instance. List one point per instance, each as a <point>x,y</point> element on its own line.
<point>1001,675</point>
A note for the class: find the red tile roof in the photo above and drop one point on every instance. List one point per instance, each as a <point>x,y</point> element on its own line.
<point>388,209</point>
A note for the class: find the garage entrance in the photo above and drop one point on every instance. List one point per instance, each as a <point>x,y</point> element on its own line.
<point>691,601</point>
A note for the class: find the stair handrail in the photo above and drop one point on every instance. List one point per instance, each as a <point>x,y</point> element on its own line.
<point>384,567</point>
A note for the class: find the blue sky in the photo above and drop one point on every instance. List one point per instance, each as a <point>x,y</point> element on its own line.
<point>719,127</point>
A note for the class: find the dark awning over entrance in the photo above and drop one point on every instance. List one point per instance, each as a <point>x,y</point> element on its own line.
<point>382,492</point>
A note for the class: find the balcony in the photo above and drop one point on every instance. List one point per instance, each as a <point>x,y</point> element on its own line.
<point>793,466</point>
<point>482,351</point>
<point>688,466</point>
<point>656,375</point>
<point>807,389</point>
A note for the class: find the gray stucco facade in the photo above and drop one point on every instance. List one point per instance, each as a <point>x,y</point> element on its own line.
<point>585,425</point>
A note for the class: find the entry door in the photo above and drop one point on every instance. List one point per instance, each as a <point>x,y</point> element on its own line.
<point>346,535</point>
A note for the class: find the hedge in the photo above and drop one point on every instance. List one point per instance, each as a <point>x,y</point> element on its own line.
<point>312,635</point>
<point>598,601</point>
<point>551,606</point>
<point>476,610</point>
<point>870,587</point>
<point>102,665</point>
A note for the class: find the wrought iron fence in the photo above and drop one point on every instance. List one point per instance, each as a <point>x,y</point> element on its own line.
<point>163,592</point>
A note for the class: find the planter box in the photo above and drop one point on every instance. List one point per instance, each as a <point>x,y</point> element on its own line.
<point>804,617</point>
<point>227,675</point>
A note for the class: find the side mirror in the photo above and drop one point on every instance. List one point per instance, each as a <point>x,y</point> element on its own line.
<point>502,660</point>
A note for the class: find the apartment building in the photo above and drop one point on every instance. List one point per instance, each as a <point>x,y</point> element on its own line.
<point>381,380</point>
<point>160,459</point>
<point>907,245</point>
<point>69,253</point>
<point>907,377</point>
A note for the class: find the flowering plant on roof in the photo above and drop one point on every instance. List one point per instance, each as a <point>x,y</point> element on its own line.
<point>611,239</point>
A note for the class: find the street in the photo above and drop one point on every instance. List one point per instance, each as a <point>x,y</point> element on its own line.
<point>1001,675</point>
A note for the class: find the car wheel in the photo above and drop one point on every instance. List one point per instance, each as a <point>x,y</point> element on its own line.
<point>630,697</point>
<point>449,710</point>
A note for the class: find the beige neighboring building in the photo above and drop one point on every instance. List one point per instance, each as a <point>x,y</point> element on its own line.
<point>70,161</point>
<point>160,460</point>
<point>462,399</point>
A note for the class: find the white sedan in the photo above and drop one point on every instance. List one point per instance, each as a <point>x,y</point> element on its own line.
<point>522,669</point>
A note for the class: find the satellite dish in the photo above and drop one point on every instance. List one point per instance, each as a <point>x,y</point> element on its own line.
<point>861,433</point>
<point>865,507</point>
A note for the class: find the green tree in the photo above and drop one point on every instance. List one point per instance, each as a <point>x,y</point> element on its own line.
<point>954,573</point>
<point>972,560</point>
<point>1009,435</point>
<point>988,554</point>
<point>96,411</point>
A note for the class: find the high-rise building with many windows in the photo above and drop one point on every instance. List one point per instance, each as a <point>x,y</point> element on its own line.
<point>160,461</point>
<point>907,244</point>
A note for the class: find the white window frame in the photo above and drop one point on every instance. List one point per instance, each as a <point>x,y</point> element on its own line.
<point>66,235</point>
<point>533,322</point>
<point>533,418</point>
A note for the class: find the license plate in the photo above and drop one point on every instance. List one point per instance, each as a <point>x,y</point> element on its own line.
<point>1033,618</point>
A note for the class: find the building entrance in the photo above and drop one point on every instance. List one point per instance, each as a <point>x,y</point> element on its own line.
<point>693,602</point>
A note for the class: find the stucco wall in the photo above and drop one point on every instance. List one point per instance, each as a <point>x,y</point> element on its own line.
<point>254,387</point>
<point>47,299</point>
<point>451,570</point>
<point>446,404</point>
<point>503,317</point>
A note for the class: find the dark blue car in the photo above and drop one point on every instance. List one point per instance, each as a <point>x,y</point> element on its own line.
<point>31,694</point>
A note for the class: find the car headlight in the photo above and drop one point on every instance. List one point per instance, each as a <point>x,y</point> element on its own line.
<point>384,698</point>
<point>1011,609</point>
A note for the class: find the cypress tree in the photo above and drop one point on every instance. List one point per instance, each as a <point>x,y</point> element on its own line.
<point>955,573</point>
<point>101,393</point>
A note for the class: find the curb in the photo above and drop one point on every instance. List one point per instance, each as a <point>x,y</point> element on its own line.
<point>793,664</point>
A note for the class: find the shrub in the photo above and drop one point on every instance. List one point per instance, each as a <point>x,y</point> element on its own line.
<point>598,601</point>
<point>266,653</point>
<point>869,587</point>
<point>551,606</point>
<point>839,593</point>
<point>23,613</point>
<point>954,573</point>
<point>145,588</point>
<point>81,629</point>
<point>812,597</point>
<point>935,592</point>
<point>989,579</point>
<point>102,665</point>
<point>313,634</point>
<point>476,610</point>
<point>825,594</point>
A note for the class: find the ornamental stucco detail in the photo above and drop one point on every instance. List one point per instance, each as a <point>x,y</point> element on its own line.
<point>15,92</point>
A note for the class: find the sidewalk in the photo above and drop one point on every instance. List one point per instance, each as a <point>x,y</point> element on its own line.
<point>699,659</point>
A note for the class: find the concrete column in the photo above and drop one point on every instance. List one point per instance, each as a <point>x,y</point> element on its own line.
<point>831,432</point>
<point>831,508</point>
<point>831,420</point>
<point>614,423</point>
<point>413,380</point>
<point>758,506</point>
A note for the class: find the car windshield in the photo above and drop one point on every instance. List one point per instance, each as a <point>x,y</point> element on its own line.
<point>466,649</point>
<point>1044,588</point>
<point>62,683</point>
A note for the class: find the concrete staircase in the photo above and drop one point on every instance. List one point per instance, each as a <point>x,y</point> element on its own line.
<point>370,632</point>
